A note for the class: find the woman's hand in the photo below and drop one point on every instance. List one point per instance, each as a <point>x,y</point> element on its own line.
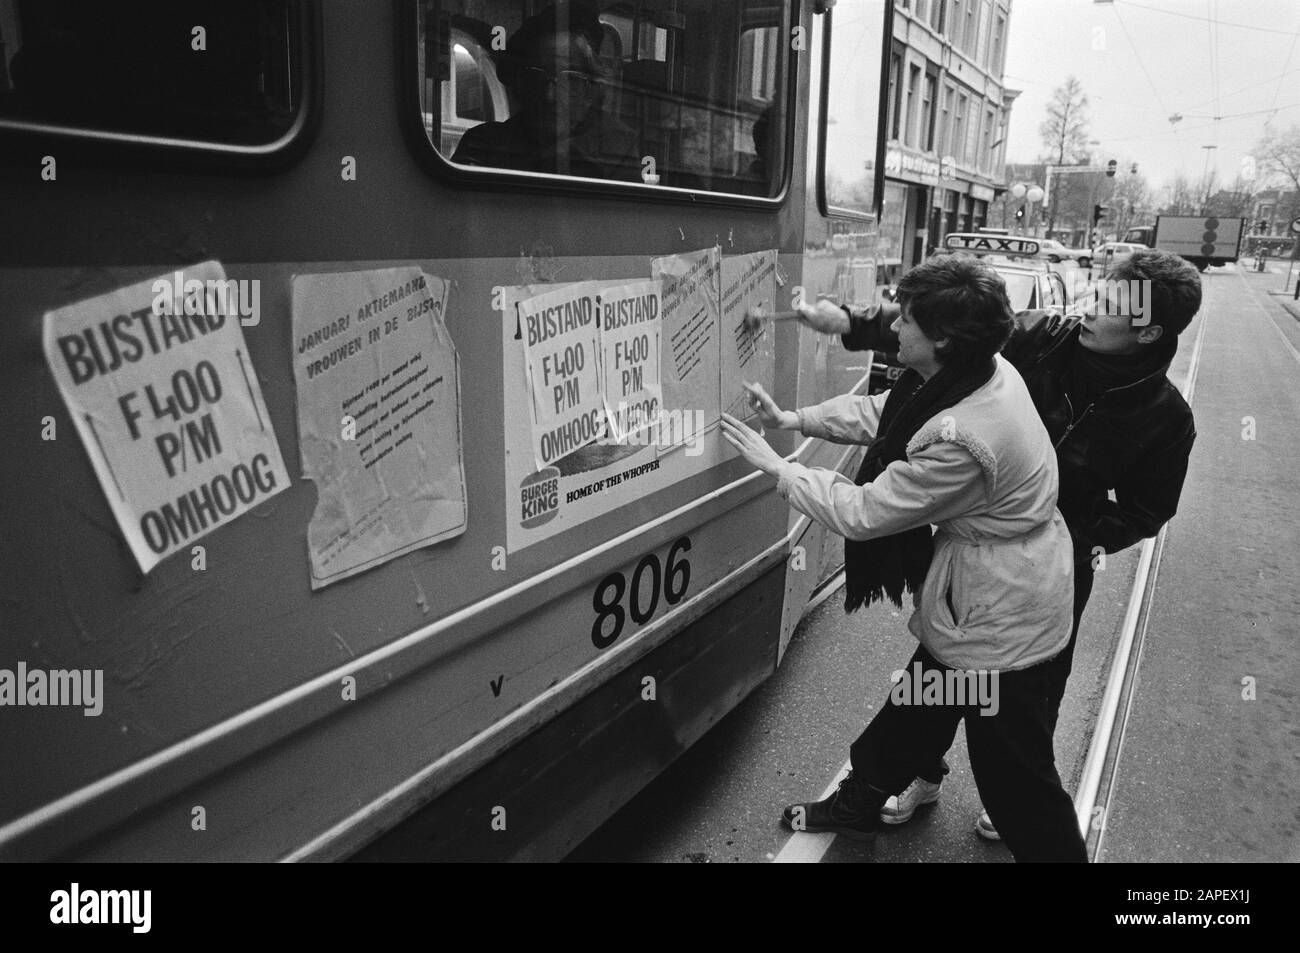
<point>824,316</point>
<point>751,446</point>
<point>768,412</point>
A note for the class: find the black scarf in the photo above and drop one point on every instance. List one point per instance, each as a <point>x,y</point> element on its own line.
<point>1089,374</point>
<point>885,566</point>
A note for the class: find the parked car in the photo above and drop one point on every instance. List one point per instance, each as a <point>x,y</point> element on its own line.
<point>1112,253</point>
<point>1054,251</point>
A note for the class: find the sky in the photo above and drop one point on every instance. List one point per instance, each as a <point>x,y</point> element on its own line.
<point>1141,62</point>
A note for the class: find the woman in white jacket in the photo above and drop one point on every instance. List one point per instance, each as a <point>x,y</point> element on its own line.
<point>956,443</point>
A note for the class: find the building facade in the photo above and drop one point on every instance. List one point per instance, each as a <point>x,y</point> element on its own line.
<point>946,125</point>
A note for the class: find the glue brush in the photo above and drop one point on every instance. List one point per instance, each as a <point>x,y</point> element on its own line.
<point>754,317</point>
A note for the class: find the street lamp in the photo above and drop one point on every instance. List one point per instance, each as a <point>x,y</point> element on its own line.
<point>1034,194</point>
<point>1205,206</point>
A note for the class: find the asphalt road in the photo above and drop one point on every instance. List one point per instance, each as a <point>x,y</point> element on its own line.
<point>1194,755</point>
<point>1205,771</point>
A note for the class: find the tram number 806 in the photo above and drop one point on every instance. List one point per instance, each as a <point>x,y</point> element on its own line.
<point>673,576</point>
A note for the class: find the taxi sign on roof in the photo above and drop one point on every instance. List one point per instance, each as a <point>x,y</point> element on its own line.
<point>990,244</point>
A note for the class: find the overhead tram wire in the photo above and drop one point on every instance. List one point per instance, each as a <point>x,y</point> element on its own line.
<point>1217,119</point>
<point>1145,72</point>
<point>1294,36</point>
<point>1242,89</point>
<point>1175,13</point>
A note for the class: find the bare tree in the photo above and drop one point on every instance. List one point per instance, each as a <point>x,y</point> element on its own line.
<point>1278,154</point>
<point>1064,132</point>
<point>1236,200</point>
<point>1183,197</point>
<point>1130,201</point>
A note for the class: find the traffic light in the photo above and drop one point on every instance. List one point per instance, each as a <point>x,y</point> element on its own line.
<point>1133,169</point>
<point>1020,213</point>
<point>1262,226</point>
<point>1110,168</point>
<point>1097,212</point>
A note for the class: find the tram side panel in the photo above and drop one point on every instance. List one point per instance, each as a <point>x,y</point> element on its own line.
<point>229,728</point>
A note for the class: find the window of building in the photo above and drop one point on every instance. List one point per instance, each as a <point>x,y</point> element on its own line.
<point>999,32</point>
<point>680,93</point>
<point>958,148</point>
<point>956,22</point>
<point>927,109</point>
<point>126,70</point>
<point>972,134</point>
<point>913,96</point>
<point>970,30</point>
<point>945,123</point>
<point>986,140</point>
<point>982,32</point>
<point>936,15</point>
<point>854,33</point>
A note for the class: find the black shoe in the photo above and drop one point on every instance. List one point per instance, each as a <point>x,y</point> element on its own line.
<point>852,810</point>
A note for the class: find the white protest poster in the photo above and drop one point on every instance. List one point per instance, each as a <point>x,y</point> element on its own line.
<point>600,478</point>
<point>562,361</point>
<point>630,327</point>
<point>748,355</point>
<point>379,424</point>
<point>692,302</point>
<point>158,380</point>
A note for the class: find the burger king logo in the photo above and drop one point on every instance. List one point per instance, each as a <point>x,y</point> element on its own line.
<point>539,497</point>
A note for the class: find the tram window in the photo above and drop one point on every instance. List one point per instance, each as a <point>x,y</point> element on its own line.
<point>683,93</point>
<point>853,46</point>
<point>205,71</point>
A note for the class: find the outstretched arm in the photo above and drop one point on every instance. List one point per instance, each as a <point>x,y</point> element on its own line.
<point>938,483</point>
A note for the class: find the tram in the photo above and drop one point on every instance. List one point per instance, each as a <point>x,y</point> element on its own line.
<point>340,518</point>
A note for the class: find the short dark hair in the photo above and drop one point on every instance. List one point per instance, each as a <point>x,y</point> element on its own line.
<point>577,18</point>
<point>960,299</point>
<point>1175,286</point>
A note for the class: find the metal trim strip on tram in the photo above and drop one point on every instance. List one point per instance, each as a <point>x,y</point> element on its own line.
<point>104,804</point>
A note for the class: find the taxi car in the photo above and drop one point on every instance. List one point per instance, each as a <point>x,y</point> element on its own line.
<point>1054,252</point>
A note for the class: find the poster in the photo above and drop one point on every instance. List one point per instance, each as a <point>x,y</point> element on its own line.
<point>379,424</point>
<point>692,335</point>
<point>630,326</point>
<point>159,383</point>
<point>561,339</point>
<point>598,478</point>
<point>748,281</point>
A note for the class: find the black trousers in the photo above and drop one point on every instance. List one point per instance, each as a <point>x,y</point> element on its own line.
<point>1010,755</point>
<point>1061,665</point>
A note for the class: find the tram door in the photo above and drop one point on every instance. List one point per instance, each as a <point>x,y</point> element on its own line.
<point>843,256</point>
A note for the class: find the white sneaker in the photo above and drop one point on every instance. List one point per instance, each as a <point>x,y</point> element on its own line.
<point>900,807</point>
<point>985,829</point>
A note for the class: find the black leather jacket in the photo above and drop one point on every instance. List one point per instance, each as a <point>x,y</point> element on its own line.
<point>1134,440</point>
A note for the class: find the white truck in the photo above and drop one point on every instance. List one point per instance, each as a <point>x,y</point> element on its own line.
<point>1203,240</point>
